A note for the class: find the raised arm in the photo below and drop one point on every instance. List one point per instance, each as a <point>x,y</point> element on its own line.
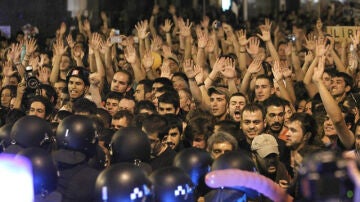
<point>166,27</point>
<point>254,67</point>
<point>142,33</point>
<point>266,37</point>
<point>331,107</point>
<point>191,72</point>
<point>59,50</point>
<point>132,57</point>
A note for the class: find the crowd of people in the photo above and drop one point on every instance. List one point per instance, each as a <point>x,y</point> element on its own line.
<point>260,97</point>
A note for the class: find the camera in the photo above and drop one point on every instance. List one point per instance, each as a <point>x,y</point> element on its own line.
<point>30,79</point>
<point>291,37</point>
<point>217,24</point>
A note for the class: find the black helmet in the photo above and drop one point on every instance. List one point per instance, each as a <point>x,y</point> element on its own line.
<point>236,160</point>
<point>44,170</point>
<point>31,131</point>
<point>130,144</point>
<point>123,182</point>
<point>77,133</point>
<point>172,184</point>
<point>195,162</point>
<point>5,139</point>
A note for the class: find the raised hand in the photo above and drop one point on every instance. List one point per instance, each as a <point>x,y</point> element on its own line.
<point>310,41</point>
<point>95,79</point>
<point>309,57</point>
<point>355,39</point>
<point>265,31</point>
<point>166,27</point>
<point>70,41</point>
<point>59,48</point>
<point>96,41</point>
<point>285,69</point>
<point>130,54</point>
<point>255,65</point>
<point>7,69</point>
<point>156,43</point>
<point>185,29</point>
<point>219,64</point>
<point>189,69</point>
<point>148,60</point>
<point>319,70</point>
<point>276,70</point>
<point>229,71</point>
<point>31,46</point>
<point>15,52</point>
<point>267,25</point>
<point>42,59</point>
<point>166,51</point>
<point>202,39</point>
<point>142,29</point>
<point>165,69</point>
<point>253,46</point>
<point>241,35</point>
<point>34,62</point>
<point>321,47</point>
<point>44,75</point>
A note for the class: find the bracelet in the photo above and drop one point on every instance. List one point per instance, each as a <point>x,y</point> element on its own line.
<point>242,51</point>
<point>211,79</point>
<point>201,84</point>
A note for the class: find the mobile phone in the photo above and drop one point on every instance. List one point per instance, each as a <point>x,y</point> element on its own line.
<point>217,24</point>
<point>116,32</point>
<point>115,39</point>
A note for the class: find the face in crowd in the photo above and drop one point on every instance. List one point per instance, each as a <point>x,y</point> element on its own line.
<point>263,89</point>
<point>236,104</point>
<point>275,118</point>
<point>76,87</point>
<point>120,83</point>
<point>218,105</point>
<point>252,124</point>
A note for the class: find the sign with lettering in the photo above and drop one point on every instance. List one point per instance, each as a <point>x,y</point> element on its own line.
<point>339,32</point>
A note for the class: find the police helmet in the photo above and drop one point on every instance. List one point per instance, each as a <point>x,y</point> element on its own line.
<point>123,182</point>
<point>236,160</point>
<point>195,162</point>
<point>31,131</point>
<point>77,133</point>
<point>130,144</point>
<point>172,184</point>
<point>44,170</point>
<point>5,139</point>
